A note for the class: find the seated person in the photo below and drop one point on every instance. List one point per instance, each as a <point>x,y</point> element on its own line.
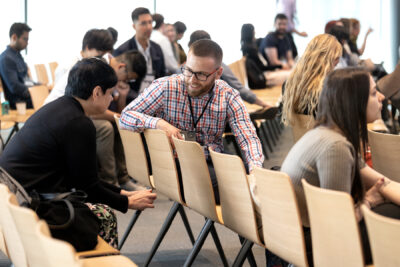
<point>55,151</point>
<point>330,155</point>
<point>259,74</point>
<point>13,69</point>
<point>304,86</point>
<point>276,47</point>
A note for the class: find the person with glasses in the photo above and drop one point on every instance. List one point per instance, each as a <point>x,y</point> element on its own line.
<point>196,105</point>
<point>143,25</point>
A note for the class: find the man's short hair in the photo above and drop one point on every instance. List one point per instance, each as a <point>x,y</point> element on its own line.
<point>198,35</point>
<point>280,16</point>
<point>180,27</point>
<point>135,62</point>
<point>158,20</point>
<point>101,40</point>
<point>137,12</point>
<point>19,28</point>
<point>207,48</point>
<point>88,73</point>
<point>114,33</point>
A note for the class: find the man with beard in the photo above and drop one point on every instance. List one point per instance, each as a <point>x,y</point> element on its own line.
<point>196,104</point>
<point>276,46</point>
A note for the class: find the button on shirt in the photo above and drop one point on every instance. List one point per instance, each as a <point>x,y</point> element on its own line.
<point>167,98</point>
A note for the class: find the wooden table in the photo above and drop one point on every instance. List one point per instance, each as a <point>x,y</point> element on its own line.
<point>272,96</point>
<point>13,119</point>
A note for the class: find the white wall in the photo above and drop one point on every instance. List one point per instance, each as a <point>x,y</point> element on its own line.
<point>59,26</point>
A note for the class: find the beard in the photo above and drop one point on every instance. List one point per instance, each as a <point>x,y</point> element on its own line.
<point>197,89</point>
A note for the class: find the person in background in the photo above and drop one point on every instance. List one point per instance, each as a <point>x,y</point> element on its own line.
<point>354,32</point>
<point>13,69</point>
<point>180,29</point>
<point>114,34</point>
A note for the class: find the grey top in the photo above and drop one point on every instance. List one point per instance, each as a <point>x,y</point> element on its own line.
<point>325,159</point>
<point>245,93</point>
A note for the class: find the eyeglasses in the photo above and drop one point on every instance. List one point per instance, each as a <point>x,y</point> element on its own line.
<point>199,75</point>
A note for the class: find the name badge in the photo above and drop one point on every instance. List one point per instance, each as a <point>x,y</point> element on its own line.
<point>189,135</point>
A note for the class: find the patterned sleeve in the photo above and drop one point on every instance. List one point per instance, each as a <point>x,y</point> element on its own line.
<point>244,131</point>
<point>138,115</point>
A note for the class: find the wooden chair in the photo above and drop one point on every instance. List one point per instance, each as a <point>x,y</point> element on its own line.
<point>334,229</point>
<point>38,94</point>
<point>166,181</point>
<point>199,194</point>
<point>385,153</point>
<point>41,74</point>
<point>383,235</point>
<point>301,124</point>
<point>3,247</point>
<point>42,250</point>
<point>236,202</point>
<point>137,166</point>
<point>53,66</point>
<point>13,243</point>
<point>239,70</point>
<point>282,226</point>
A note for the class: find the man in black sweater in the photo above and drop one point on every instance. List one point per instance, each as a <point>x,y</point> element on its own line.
<point>55,151</point>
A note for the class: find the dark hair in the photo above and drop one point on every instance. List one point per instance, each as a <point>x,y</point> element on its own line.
<point>340,33</point>
<point>280,16</point>
<point>137,12</point>
<point>180,27</point>
<point>207,48</point>
<point>114,34</point>
<point>98,39</point>
<point>198,35</point>
<point>88,73</point>
<point>19,28</point>
<point>158,20</point>
<point>135,62</point>
<point>343,103</point>
<point>247,34</point>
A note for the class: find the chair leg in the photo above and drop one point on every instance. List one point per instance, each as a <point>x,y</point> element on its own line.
<point>199,243</point>
<point>247,245</point>
<point>274,129</point>
<point>129,228</point>
<point>163,231</point>
<point>267,137</point>
<point>250,255</point>
<point>271,133</point>
<point>261,137</point>
<point>186,223</point>
<point>218,245</point>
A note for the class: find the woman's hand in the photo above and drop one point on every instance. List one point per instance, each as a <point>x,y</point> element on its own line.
<point>373,196</point>
<point>140,200</point>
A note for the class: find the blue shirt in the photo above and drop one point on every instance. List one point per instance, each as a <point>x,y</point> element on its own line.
<point>13,71</point>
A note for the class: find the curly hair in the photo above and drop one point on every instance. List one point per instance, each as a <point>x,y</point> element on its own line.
<point>304,85</point>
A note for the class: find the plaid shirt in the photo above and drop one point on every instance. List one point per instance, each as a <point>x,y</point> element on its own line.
<point>167,98</point>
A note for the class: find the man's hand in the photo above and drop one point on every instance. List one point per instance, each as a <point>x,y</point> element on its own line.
<point>140,200</point>
<point>169,129</point>
<point>123,88</point>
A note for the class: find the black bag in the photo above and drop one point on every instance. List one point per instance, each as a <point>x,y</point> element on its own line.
<point>69,219</point>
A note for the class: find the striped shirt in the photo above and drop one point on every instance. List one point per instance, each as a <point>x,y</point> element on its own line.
<point>167,98</point>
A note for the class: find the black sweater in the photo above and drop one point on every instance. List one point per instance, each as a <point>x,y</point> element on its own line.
<point>55,151</point>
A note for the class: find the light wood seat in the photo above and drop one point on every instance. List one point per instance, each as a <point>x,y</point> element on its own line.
<point>43,250</point>
<point>238,211</point>
<point>385,154</point>
<point>282,226</point>
<point>239,70</point>
<point>384,236</point>
<point>137,166</point>
<point>42,76</point>
<point>335,235</point>
<point>53,66</point>
<point>301,124</point>
<point>13,243</point>
<point>199,193</point>
<point>38,94</point>
<point>166,181</point>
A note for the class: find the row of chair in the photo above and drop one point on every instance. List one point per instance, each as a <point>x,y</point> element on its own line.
<point>335,237</point>
<point>43,77</point>
<point>27,241</point>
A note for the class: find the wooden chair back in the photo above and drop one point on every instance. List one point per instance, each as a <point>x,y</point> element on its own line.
<point>12,238</point>
<point>236,201</point>
<point>38,94</point>
<point>334,228</point>
<point>3,247</point>
<point>135,155</point>
<point>239,70</point>
<point>41,74</point>
<point>383,234</point>
<point>385,154</point>
<point>53,66</point>
<point>199,194</point>
<point>301,124</point>
<point>282,227</point>
<point>163,165</point>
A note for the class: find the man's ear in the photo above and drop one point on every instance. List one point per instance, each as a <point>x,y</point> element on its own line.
<point>219,72</point>
<point>134,27</point>
<point>14,37</point>
<point>97,92</point>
